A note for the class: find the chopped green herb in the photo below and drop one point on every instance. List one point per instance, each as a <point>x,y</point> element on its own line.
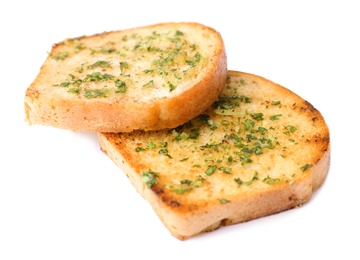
<point>75,90</point>
<point>187,185</point>
<point>64,84</point>
<point>171,86</point>
<point>197,57</point>
<point>291,128</point>
<point>120,86</point>
<point>100,63</point>
<point>211,146</point>
<point>180,188</point>
<point>151,145</point>
<point>123,65</point>
<point>275,103</point>
<point>269,180</point>
<point>180,136</point>
<point>96,93</point>
<point>148,71</point>
<point>165,152</point>
<point>163,144</point>
<point>275,117</point>
<point>210,170</point>
<point>226,170</point>
<point>79,48</point>
<point>257,116</point>
<point>138,149</point>
<point>149,177</point>
<point>60,56</point>
<point>149,84</point>
<point>224,201</point>
<point>97,76</point>
<point>193,46</point>
<point>238,181</point>
<point>305,167</point>
<point>249,124</point>
<point>203,119</point>
<point>261,129</point>
<point>191,63</point>
<point>186,181</point>
<point>247,183</point>
<point>227,102</point>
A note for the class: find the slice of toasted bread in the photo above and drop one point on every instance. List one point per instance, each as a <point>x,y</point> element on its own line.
<point>137,78</point>
<point>258,150</point>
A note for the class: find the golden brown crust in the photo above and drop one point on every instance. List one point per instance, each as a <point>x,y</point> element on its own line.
<point>261,150</point>
<point>184,62</point>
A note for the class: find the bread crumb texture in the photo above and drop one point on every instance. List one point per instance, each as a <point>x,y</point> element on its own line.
<point>258,150</point>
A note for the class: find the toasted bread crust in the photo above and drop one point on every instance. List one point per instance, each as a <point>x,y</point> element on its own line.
<point>132,79</point>
<point>260,150</point>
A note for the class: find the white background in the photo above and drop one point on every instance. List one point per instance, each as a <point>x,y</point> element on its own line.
<point>62,198</point>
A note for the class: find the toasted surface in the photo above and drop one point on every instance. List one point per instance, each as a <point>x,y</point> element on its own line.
<point>137,78</point>
<point>258,150</point>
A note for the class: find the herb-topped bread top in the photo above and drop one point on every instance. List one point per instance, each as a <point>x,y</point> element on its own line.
<point>138,69</point>
<point>259,149</point>
<point>143,62</point>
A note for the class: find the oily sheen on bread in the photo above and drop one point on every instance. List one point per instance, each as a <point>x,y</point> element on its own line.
<point>260,149</point>
<point>138,78</point>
